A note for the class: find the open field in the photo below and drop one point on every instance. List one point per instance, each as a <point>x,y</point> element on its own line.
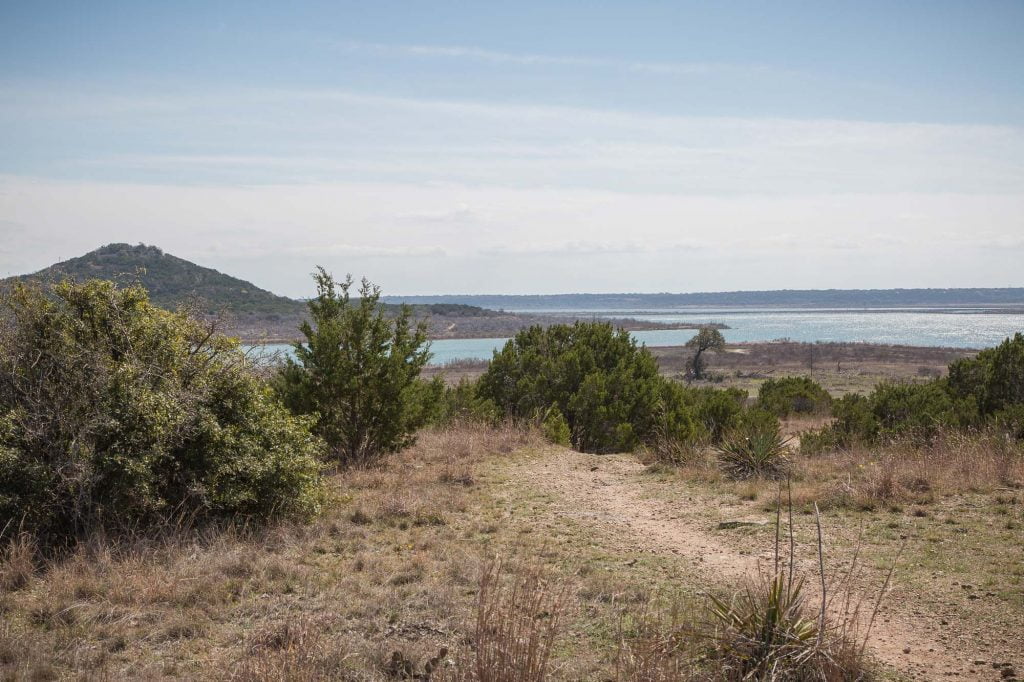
<point>839,367</point>
<point>391,574</point>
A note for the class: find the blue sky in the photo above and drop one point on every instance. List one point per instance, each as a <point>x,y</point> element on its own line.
<point>522,147</point>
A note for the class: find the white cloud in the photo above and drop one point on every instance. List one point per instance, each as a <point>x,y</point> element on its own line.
<point>427,195</point>
<point>537,239</point>
<point>460,214</point>
<point>345,136</point>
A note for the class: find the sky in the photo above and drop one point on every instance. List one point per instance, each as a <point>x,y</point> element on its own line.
<point>527,147</point>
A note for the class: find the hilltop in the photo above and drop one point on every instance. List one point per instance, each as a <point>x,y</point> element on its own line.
<point>171,281</point>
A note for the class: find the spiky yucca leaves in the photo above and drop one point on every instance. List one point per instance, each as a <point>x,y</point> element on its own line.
<point>763,631</point>
<point>752,453</point>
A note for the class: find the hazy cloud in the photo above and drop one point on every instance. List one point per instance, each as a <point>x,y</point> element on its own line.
<point>529,59</point>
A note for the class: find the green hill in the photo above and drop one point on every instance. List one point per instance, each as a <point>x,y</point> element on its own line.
<point>251,312</point>
<point>172,281</point>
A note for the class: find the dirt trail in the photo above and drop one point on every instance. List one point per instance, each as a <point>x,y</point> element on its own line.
<point>604,493</point>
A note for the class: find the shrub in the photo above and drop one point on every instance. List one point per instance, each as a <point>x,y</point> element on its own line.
<point>854,423</point>
<point>462,402</point>
<point>1010,420</point>
<point>918,411</point>
<point>357,372</point>
<point>914,412</point>
<point>716,411</point>
<point>607,388</point>
<point>115,413</point>
<point>994,379</point>
<point>793,395</point>
<point>754,420</point>
<point>555,428</point>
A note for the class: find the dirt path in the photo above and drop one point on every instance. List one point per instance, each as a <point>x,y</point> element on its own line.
<point>604,493</point>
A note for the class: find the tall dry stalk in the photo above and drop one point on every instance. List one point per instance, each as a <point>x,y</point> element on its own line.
<point>517,621</point>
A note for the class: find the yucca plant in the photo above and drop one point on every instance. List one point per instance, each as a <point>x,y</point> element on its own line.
<point>752,453</point>
<point>763,631</point>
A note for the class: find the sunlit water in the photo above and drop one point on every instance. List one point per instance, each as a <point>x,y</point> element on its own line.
<point>960,329</point>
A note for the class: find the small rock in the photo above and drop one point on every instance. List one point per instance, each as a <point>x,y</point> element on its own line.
<point>906,650</point>
<point>1008,673</point>
<point>741,523</point>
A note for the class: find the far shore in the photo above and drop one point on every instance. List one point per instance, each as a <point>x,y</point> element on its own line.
<point>841,367</point>
<point>489,327</point>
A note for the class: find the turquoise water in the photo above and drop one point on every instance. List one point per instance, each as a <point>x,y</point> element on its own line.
<point>912,328</point>
<point>954,328</point>
<point>443,350</point>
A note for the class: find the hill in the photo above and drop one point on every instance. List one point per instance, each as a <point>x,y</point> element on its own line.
<point>172,281</point>
<point>250,312</point>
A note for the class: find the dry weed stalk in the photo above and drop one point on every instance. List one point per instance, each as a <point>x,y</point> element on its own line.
<point>517,621</point>
<point>515,626</point>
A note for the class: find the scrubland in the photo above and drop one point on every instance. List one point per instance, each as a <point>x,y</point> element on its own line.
<point>573,514</point>
<point>608,557</point>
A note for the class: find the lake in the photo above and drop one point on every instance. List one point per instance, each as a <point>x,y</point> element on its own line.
<point>953,327</point>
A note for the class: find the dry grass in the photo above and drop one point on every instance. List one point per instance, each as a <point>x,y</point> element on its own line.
<point>393,582</point>
<point>839,367</point>
<point>892,476</point>
<point>905,474</point>
<point>517,621</point>
<point>958,505</point>
<point>388,568</point>
<point>657,643</point>
<point>17,563</point>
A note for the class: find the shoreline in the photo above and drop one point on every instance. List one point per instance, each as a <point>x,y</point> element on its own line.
<point>505,327</point>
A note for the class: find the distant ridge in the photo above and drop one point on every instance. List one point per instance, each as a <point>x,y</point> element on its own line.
<point>797,298</point>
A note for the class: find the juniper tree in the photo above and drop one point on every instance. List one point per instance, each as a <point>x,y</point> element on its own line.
<point>357,371</point>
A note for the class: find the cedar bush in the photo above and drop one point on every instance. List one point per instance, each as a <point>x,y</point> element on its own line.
<point>793,395</point>
<point>986,391</point>
<point>357,373</point>
<point>894,411</point>
<point>116,414</point>
<point>606,387</point>
<point>994,379</point>
<point>716,411</point>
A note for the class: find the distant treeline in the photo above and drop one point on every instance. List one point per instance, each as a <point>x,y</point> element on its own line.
<point>832,298</point>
